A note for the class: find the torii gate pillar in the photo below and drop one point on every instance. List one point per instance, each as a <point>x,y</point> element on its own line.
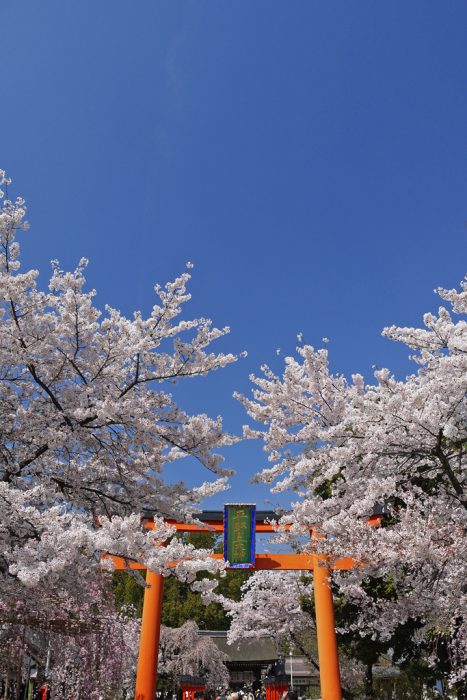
<point>326,634</point>
<point>146,674</point>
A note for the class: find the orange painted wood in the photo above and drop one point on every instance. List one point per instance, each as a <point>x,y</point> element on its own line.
<point>326,633</point>
<point>146,678</point>
<point>294,562</point>
<point>207,526</point>
<point>146,673</point>
<point>344,564</point>
<point>263,562</point>
<point>218,526</point>
<point>121,564</point>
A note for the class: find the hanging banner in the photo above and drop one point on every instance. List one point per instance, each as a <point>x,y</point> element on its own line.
<point>239,535</point>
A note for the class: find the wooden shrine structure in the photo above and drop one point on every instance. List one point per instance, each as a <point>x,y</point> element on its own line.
<point>213,521</point>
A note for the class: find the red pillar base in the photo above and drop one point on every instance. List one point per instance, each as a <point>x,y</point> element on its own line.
<point>276,687</point>
<point>189,685</point>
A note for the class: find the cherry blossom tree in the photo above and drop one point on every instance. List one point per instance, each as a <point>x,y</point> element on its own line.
<point>81,645</point>
<point>270,605</point>
<point>183,651</point>
<point>344,447</point>
<point>89,424</point>
<point>98,664</point>
<point>279,604</point>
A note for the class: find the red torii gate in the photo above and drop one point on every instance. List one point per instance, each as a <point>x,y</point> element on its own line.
<point>146,675</point>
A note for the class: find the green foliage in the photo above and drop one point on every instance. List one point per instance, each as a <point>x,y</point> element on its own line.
<point>128,591</point>
<point>230,585</point>
<point>325,489</point>
<point>202,540</point>
<point>180,603</point>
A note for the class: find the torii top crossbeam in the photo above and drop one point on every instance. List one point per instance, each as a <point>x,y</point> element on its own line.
<point>213,522</point>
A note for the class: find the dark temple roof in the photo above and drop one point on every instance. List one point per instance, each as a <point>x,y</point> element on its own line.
<point>261,650</point>
<point>218,515</point>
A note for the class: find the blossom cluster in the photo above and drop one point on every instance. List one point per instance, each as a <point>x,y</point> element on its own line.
<point>393,447</point>
<point>89,427</point>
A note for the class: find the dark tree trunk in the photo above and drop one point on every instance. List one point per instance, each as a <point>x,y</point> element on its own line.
<point>369,682</point>
<point>7,683</point>
<point>18,684</point>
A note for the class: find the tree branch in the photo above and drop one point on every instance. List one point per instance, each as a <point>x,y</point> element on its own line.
<point>457,486</point>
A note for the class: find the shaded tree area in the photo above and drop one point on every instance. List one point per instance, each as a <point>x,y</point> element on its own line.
<point>180,602</point>
<point>74,640</point>
<point>404,647</point>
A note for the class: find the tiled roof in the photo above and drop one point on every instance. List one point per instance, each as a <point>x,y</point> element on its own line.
<point>259,650</point>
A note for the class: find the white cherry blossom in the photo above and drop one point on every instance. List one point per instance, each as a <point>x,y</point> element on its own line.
<point>348,447</point>
<point>88,423</point>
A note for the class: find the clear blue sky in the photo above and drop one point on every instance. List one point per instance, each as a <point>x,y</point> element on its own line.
<point>309,157</point>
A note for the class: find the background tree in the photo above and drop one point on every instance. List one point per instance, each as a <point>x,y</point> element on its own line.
<point>180,602</point>
<point>281,605</point>
<point>184,652</point>
<point>78,641</point>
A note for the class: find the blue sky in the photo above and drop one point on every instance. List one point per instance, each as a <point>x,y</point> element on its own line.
<point>310,158</point>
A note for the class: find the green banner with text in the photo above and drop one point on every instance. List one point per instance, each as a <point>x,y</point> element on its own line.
<point>239,534</point>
